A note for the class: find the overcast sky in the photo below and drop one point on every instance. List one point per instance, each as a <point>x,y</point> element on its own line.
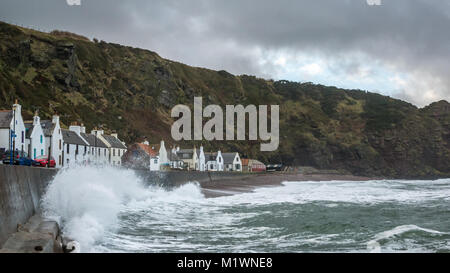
<point>400,48</point>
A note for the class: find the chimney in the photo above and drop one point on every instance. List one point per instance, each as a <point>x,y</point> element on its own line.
<point>83,128</point>
<point>17,107</point>
<point>97,133</point>
<point>201,149</point>
<point>55,119</point>
<point>115,135</point>
<point>36,119</point>
<point>75,128</point>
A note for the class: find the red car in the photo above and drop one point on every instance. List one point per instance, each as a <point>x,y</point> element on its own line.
<point>42,161</point>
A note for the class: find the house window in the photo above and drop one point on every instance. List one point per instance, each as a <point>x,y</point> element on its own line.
<point>42,151</point>
<point>156,161</point>
<point>59,161</point>
<point>114,152</point>
<point>41,139</point>
<point>85,149</point>
<point>104,151</point>
<point>68,150</point>
<point>23,136</point>
<point>60,143</point>
<point>34,153</point>
<point>76,150</point>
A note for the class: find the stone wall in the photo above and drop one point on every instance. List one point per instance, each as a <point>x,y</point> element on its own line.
<point>21,189</point>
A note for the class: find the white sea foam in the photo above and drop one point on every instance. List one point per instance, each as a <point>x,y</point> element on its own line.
<point>360,192</point>
<point>374,245</point>
<point>87,200</point>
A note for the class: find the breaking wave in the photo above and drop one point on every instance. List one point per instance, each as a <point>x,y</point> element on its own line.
<point>87,201</point>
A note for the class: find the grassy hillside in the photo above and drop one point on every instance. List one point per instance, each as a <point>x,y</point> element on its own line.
<point>133,90</point>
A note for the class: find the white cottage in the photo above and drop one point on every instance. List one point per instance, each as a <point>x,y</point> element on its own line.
<point>12,121</point>
<point>189,156</point>
<point>175,161</point>
<point>102,153</point>
<point>53,139</point>
<point>214,162</point>
<point>158,156</point>
<point>232,162</point>
<point>75,148</point>
<point>98,152</point>
<point>35,138</point>
<point>116,149</point>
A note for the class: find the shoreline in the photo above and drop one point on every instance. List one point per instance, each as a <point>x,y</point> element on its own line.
<point>228,187</point>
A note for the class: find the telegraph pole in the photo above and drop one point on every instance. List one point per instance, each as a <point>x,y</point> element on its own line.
<point>95,145</point>
<point>13,135</point>
<point>49,151</point>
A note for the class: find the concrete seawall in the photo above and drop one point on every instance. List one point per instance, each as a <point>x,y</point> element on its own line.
<point>21,189</point>
<point>178,178</point>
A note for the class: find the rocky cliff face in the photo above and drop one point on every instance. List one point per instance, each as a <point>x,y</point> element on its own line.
<point>133,90</point>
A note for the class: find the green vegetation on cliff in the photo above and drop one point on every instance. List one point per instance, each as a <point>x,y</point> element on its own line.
<point>133,90</point>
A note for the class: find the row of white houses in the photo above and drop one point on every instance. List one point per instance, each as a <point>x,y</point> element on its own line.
<point>140,154</point>
<point>67,147</point>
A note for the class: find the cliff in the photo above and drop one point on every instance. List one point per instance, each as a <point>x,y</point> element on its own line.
<point>133,90</point>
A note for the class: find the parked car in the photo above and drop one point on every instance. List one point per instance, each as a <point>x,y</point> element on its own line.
<point>274,167</point>
<point>43,161</point>
<point>6,158</point>
<point>20,158</point>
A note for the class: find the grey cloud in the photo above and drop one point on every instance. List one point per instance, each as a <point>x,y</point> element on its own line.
<point>410,35</point>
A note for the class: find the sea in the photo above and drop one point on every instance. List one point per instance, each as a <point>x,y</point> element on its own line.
<point>112,210</point>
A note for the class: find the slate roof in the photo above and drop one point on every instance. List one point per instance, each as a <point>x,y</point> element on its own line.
<point>28,129</point>
<point>186,153</point>
<point>173,157</point>
<point>72,138</point>
<point>47,127</point>
<point>210,157</point>
<point>6,117</point>
<point>91,140</point>
<point>228,158</point>
<point>114,142</point>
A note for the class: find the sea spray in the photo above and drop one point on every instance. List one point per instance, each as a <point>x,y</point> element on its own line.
<point>88,200</point>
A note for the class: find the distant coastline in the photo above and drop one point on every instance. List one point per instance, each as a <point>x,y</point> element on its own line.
<point>250,183</point>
